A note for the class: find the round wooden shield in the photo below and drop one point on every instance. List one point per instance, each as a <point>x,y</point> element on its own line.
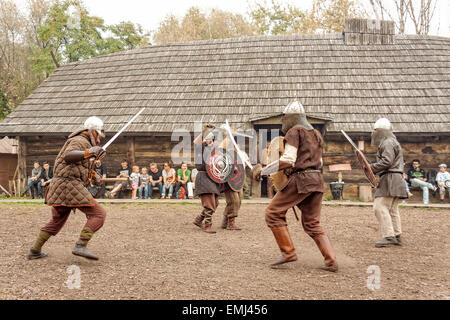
<point>367,170</point>
<point>219,165</point>
<point>236,179</point>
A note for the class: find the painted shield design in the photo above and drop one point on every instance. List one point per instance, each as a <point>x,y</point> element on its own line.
<point>219,165</point>
<point>366,167</point>
<point>236,178</point>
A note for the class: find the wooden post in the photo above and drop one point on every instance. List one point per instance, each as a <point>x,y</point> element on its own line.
<point>365,193</point>
<point>22,162</point>
<point>131,150</point>
<point>256,188</point>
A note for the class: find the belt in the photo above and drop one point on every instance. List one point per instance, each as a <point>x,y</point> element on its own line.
<point>305,171</point>
<point>386,172</point>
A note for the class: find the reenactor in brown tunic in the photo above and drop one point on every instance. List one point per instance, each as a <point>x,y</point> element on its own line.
<point>67,191</point>
<point>302,162</point>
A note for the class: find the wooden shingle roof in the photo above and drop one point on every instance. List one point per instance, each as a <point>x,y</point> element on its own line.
<point>238,79</point>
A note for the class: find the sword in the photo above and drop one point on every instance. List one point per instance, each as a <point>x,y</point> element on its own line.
<point>350,140</point>
<point>91,167</point>
<point>363,161</point>
<point>121,130</point>
<point>241,154</point>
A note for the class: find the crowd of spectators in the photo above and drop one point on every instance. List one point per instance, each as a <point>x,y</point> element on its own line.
<point>39,180</point>
<point>143,182</point>
<point>180,183</point>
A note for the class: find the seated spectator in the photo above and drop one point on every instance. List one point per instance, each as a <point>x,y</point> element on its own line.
<point>145,183</point>
<point>46,176</point>
<point>443,176</point>
<point>183,177</point>
<point>416,176</point>
<point>405,177</point>
<point>136,181</point>
<point>98,191</point>
<point>156,180</point>
<point>191,184</point>
<point>34,181</point>
<point>169,181</point>
<point>123,172</point>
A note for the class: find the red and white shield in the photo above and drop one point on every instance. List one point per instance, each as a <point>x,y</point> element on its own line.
<point>219,165</point>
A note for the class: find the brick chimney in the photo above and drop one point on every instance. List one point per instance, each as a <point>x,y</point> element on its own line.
<point>367,32</point>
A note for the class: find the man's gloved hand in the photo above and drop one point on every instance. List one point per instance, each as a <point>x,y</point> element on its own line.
<point>95,178</point>
<point>94,151</point>
<point>256,172</point>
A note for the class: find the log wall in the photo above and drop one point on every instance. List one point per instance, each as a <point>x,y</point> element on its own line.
<point>142,150</point>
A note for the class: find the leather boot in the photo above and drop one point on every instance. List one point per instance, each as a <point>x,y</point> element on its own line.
<point>36,254</point>
<point>324,245</point>
<point>207,228</point>
<point>224,222</point>
<point>399,240</point>
<point>231,225</point>
<point>388,241</point>
<point>285,244</point>
<point>198,221</point>
<point>81,250</point>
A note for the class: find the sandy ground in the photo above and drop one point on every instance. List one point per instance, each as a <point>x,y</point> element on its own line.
<point>153,251</point>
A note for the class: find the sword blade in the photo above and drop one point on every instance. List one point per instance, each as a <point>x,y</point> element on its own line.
<point>123,128</point>
<point>241,154</point>
<point>349,140</point>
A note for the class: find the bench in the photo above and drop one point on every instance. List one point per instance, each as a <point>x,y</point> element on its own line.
<point>109,185</point>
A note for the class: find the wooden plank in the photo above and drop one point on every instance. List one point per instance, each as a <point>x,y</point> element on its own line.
<point>22,160</point>
<point>131,151</point>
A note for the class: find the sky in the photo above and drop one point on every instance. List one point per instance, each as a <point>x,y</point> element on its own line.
<point>149,13</point>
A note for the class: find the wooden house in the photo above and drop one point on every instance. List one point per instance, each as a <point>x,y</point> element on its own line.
<point>8,164</point>
<point>345,81</point>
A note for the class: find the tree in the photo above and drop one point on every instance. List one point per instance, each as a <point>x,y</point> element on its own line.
<point>418,13</point>
<point>326,16</point>
<point>69,33</point>
<point>277,19</point>
<point>198,25</point>
<point>5,109</point>
<point>17,79</point>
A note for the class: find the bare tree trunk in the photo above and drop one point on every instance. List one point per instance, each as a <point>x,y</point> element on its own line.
<point>421,17</point>
<point>54,59</point>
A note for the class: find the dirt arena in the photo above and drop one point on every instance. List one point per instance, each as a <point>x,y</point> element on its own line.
<point>153,251</point>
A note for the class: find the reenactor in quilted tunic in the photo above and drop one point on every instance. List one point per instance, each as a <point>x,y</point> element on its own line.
<point>68,192</point>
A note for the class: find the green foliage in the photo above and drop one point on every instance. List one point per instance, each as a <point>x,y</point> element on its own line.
<point>69,33</point>
<point>277,19</point>
<point>326,16</point>
<point>5,108</point>
<point>198,25</point>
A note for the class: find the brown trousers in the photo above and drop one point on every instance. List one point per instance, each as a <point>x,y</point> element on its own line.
<point>209,201</point>
<point>96,217</point>
<point>233,200</point>
<point>310,205</point>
